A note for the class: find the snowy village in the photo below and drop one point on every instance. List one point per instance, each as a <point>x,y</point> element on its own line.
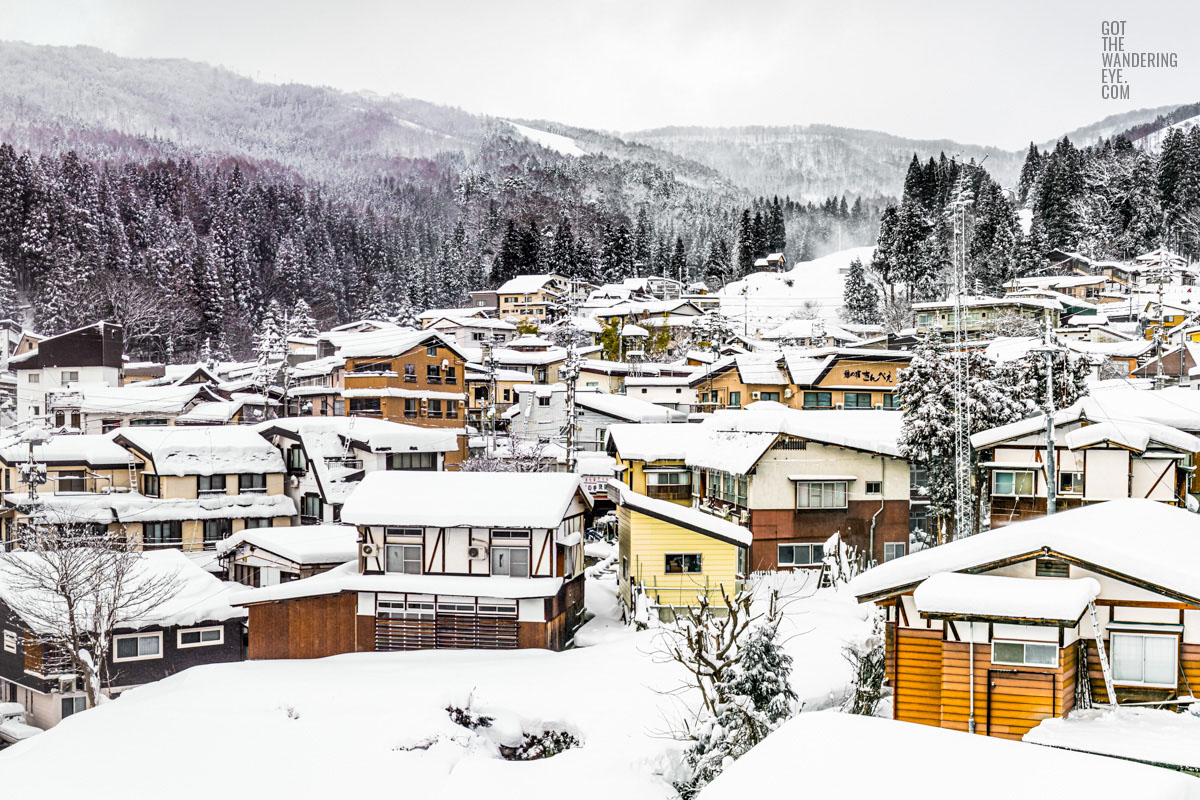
<point>353,443</point>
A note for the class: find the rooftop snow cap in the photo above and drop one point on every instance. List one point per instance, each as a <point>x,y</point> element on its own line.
<point>957,594</point>
<point>463,499</point>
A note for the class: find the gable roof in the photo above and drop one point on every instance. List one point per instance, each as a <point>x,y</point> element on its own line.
<point>203,450</point>
<point>1161,556</point>
<point>688,518</point>
<point>527,284</point>
<point>458,499</point>
<point>304,544</point>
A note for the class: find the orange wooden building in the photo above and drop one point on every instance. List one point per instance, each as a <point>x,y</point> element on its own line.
<point>994,633</point>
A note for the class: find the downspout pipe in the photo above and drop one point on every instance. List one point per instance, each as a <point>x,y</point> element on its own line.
<point>971,657</point>
<point>878,511</point>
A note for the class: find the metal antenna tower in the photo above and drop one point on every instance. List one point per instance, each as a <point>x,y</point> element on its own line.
<point>964,511</point>
<point>569,373</point>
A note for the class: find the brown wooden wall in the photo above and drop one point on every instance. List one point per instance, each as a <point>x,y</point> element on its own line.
<point>917,688</point>
<point>306,627</point>
<point>1189,679</point>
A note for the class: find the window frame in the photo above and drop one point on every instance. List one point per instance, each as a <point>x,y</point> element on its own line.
<point>202,479</point>
<point>1076,480</point>
<point>151,479</point>
<point>858,396</point>
<point>1014,473</point>
<point>494,551</point>
<point>876,492</point>
<point>810,548</point>
<point>244,489</point>
<point>808,506</point>
<point>891,547</point>
<point>683,563</point>
<point>1025,662</point>
<point>404,558</point>
<point>827,397</point>
<point>181,645</point>
<point>1114,635</point>
<point>116,659</point>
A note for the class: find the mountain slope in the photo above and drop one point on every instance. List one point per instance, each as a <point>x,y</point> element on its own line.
<point>817,161</point>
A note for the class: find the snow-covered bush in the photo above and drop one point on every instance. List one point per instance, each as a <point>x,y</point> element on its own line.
<point>867,660</point>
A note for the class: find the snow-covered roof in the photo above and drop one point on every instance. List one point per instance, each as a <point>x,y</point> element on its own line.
<point>975,302</point>
<point>1098,534</point>
<point>870,430</point>
<point>93,450</point>
<point>836,742</point>
<point>458,321</point>
<point>204,450</point>
<point>809,329</point>
<point>126,507</point>
<point>621,406</point>
<point>201,597</point>
<point>655,441</point>
<point>1153,735</point>
<point>221,411</point>
<point>634,330</point>
<point>690,518</point>
<point>346,578</point>
<point>964,595</point>
<point>388,343</point>
<point>303,544</point>
<point>526,284</point>
<point>754,368</point>
<point>455,499</point>
<point>124,400</point>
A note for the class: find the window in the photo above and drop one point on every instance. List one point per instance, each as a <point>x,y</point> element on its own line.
<point>426,462</point>
<point>217,529</point>
<point>857,400</point>
<point>510,561</point>
<point>600,434</point>
<point>108,425</point>
<point>405,558</point>
<point>70,376</point>
<point>433,373</point>
<point>918,478</point>
<point>144,422</point>
<point>431,351</point>
<point>541,375</point>
<point>894,550</point>
<point>1070,482</point>
<point>162,534</point>
<point>1007,483</point>
<point>772,396</point>
<point>137,647</point>
<point>435,409</point>
<point>35,377</point>
<point>417,607</point>
<point>72,481</point>
<point>73,705</point>
<point>252,484</point>
<point>10,641</point>
<point>150,485</point>
<point>210,484</point>
<point>261,522</point>
<point>295,459</point>
<point>310,507</point>
<point>410,373</point>
<point>726,487</point>
<point>477,336</point>
<point>1144,659</point>
<point>410,407</point>
<point>800,555</point>
<point>451,409</point>
<point>682,563</point>
<point>1052,568</point>
<point>1025,654</point>
<point>735,399</point>
<point>451,375</point>
<point>200,637</point>
<point>544,401</point>
<point>824,494</point>
<point>891,401</point>
<point>818,400</point>
<point>874,487</point>
<point>365,405</point>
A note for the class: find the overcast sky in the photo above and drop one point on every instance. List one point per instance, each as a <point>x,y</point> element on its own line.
<point>997,72</point>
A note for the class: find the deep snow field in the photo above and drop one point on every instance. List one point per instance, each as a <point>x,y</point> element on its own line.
<point>376,724</point>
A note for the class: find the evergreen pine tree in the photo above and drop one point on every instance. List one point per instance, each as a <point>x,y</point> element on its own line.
<point>860,297</point>
<point>301,322</point>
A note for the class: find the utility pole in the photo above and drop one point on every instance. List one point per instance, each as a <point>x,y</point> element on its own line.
<point>570,373</point>
<point>964,511</point>
<point>1051,474</point>
<point>489,409</point>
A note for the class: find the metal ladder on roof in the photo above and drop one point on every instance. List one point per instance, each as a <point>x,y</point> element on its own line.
<point>1103,655</point>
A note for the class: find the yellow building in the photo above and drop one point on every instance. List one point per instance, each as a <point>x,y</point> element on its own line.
<point>651,458</point>
<point>672,554</point>
<point>530,297</point>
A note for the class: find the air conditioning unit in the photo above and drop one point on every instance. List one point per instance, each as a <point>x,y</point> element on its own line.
<point>840,406</point>
<point>879,406</point>
<point>294,481</point>
<point>744,516</point>
<point>367,550</point>
<point>68,685</point>
<point>476,553</point>
<point>755,395</point>
<point>788,393</point>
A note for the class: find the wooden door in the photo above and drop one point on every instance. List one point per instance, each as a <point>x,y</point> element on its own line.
<point>1017,700</point>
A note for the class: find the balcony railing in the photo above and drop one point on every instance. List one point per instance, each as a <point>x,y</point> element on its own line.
<point>669,492</point>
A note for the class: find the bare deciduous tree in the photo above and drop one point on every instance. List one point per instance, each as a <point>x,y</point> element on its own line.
<point>73,586</point>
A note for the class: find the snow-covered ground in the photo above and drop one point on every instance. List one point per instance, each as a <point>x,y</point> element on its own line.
<point>809,288</point>
<point>375,724</point>
<point>552,141</point>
